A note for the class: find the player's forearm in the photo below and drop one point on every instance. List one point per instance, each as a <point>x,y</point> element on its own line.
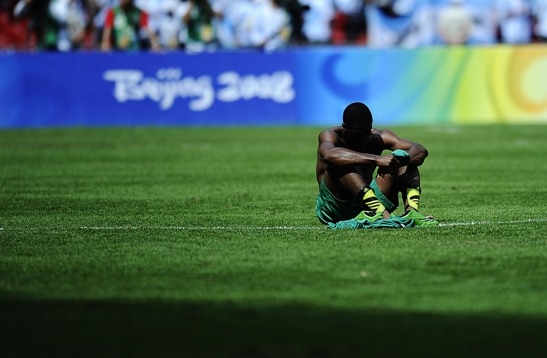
<point>345,157</point>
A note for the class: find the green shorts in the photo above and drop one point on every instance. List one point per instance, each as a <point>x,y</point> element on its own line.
<point>330,209</point>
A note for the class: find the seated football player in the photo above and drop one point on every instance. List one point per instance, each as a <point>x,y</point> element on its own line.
<point>357,181</point>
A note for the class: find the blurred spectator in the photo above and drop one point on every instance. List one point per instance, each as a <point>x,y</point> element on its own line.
<point>539,12</point>
<point>126,28</point>
<point>232,22</point>
<point>5,20</point>
<point>514,21</point>
<point>455,23</point>
<point>404,23</point>
<point>481,30</point>
<point>248,15</point>
<point>13,34</point>
<point>484,23</point>
<point>350,22</point>
<point>296,12</point>
<point>271,29</point>
<point>198,25</point>
<point>71,20</point>
<point>40,24</point>
<point>99,9</point>
<point>167,21</point>
<point>199,21</point>
<point>263,24</point>
<point>317,26</point>
<point>154,9</point>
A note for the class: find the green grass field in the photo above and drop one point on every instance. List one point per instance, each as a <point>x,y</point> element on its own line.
<point>198,242</point>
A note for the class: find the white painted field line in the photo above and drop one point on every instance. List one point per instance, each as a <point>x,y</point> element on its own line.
<point>290,228</point>
<point>212,228</point>
<point>248,228</point>
<point>470,223</point>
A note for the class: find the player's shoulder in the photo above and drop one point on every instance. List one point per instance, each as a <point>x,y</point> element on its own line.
<point>332,133</point>
<point>336,129</point>
<point>384,133</point>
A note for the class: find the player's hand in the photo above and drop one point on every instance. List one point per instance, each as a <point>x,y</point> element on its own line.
<point>388,163</point>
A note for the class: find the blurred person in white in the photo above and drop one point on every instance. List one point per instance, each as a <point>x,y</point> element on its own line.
<point>539,12</point>
<point>483,30</point>
<point>318,19</point>
<point>154,9</point>
<point>231,22</point>
<point>72,19</point>
<point>454,23</point>
<point>514,21</point>
<point>238,22</point>
<point>167,21</point>
<point>272,26</point>
<point>349,6</point>
<point>484,22</point>
<point>400,23</point>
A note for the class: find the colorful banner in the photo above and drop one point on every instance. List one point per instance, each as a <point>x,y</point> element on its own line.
<point>306,86</point>
<point>433,85</point>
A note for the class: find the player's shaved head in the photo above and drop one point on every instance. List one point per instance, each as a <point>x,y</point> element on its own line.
<point>357,115</point>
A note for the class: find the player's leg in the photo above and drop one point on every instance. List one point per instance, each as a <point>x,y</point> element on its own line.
<point>337,199</point>
<point>386,184</point>
<point>344,183</point>
<point>352,183</point>
<point>408,183</point>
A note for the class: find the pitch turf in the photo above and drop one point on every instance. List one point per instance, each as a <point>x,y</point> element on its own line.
<point>203,242</point>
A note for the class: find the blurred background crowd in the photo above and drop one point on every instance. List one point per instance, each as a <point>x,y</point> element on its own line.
<point>211,25</point>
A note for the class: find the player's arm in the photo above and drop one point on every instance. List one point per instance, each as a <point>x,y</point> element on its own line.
<point>417,152</point>
<point>329,152</point>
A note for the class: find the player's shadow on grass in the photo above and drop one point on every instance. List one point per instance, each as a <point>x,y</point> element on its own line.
<point>102,329</point>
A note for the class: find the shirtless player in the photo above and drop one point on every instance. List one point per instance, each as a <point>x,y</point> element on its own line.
<point>347,157</point>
